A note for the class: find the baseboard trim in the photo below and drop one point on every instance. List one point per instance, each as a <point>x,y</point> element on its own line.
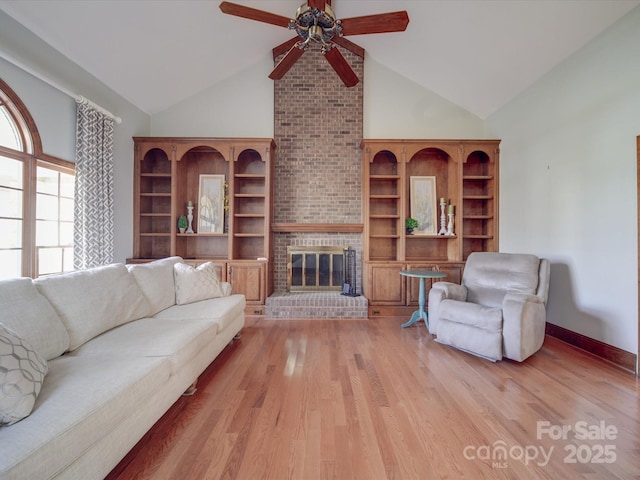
<point>615,355</point>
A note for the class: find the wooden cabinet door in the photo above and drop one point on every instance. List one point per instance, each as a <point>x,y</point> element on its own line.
<point>249,279</point>
<point>385,284</point>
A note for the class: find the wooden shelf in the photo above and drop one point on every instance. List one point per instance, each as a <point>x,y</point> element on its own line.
<point>465,172</point>
<point>438,237</point>
<point>196,235</point>
<point>167,176</point>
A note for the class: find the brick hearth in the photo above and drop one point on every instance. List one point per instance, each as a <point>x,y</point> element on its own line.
<point>300,305</point>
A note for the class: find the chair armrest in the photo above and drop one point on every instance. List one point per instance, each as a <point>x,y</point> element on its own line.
<point>450,291</point>
<point>523,328</point>
<point>442,291</point>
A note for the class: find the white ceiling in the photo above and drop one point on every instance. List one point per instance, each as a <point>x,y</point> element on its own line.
<point>478,54</point>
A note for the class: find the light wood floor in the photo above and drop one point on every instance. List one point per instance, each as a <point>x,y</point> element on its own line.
<point>366,399</point>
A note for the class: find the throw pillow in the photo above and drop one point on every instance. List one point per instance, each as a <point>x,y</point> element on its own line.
<point>155,279</point>
<point>22,372</point>
<point>195,284</point>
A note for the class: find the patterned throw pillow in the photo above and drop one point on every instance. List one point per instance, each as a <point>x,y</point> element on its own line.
<point>22,372</point>
<point>195,284</point>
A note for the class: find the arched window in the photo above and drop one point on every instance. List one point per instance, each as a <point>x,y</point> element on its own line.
<point>36,197</point>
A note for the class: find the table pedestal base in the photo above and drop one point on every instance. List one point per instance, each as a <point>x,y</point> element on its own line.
<point>417,315</point>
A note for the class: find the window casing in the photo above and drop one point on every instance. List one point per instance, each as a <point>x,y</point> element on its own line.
<point>36,198</point>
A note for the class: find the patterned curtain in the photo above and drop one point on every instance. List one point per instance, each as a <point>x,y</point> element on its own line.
<point>93,209</point>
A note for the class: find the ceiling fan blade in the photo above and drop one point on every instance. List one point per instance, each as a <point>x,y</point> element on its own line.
<point>286,63</point>
<point>380,23</point>
<point>319,4</point>
<point>254,14</point>
<point>284,47</point>
<point>349,45</point>
<point>341,66</point>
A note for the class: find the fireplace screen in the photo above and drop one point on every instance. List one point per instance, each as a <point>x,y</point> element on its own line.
<point>315,268</point>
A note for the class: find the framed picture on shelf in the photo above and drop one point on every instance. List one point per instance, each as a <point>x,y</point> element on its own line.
<point>423,204</point>
<point>211,204</point>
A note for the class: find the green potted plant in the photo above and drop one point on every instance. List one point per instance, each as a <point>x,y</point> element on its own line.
<point>182,223</point>
<point>410,224</point>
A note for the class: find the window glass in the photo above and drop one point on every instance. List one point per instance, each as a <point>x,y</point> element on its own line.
<point>10,263</point>
<point>10,172</point>
<point>47,181</point>
<point>46,233</point>
<point>46,207</point>
<point>9,134</point>
<point>66,209</point>
<point>10,203</point>
<point>49,260</point>
<point>66,233</point>
<point>67,184</point>
<point>54,219</point>
<point>10,233</point>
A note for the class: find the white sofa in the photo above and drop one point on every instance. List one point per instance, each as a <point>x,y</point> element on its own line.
<point>119,352</point>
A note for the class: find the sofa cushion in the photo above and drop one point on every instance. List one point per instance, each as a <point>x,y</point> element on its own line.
<point>178,340</point>
<point>82,400</point>
<point>221,310</point>
<point>22,373</point>
<point>195,284</point>
<point>32,317</point>
<point>156,281</point>
<point>95,300</point>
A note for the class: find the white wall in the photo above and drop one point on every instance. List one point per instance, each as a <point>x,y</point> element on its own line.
<point>240,106</point>
<point>55,114</point>
<point>568,183</point>
<point>396,107</point>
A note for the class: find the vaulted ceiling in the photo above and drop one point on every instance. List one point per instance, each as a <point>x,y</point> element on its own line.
<point>478,54</point>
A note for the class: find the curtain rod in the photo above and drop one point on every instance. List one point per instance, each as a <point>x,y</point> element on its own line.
<point>51,83</point>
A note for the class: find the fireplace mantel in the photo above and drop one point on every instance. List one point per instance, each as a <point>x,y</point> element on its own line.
<point>317,227</point>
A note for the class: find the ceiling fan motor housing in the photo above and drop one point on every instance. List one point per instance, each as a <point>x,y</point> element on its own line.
<point>315,24</point>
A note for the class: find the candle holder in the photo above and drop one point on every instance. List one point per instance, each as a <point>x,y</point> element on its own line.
<point>443,220</point>
<point>190,218</point>
<point>450,225</point>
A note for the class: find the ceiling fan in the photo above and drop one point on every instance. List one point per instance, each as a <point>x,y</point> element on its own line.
<point>316,23</point>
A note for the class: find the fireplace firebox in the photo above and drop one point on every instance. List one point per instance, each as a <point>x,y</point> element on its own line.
<point>315,268</point>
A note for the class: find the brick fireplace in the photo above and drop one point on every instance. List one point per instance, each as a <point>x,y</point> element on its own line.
<point>317,130</point>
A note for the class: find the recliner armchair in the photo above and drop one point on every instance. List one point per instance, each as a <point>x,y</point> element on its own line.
<point>498,310</point>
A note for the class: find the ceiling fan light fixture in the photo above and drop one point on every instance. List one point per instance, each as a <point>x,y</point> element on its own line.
<point>315,24</point>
